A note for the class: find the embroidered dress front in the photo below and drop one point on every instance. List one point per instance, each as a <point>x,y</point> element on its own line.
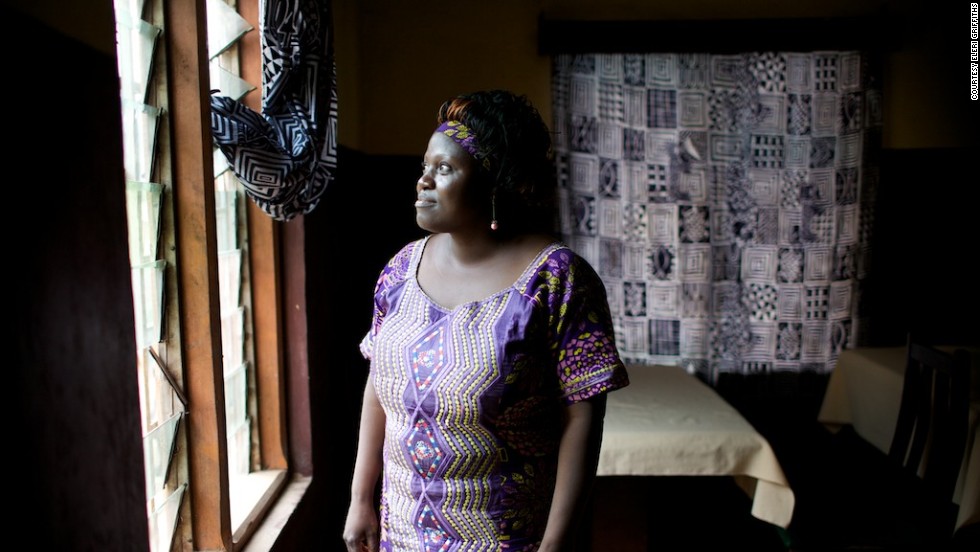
<point>473,398</point>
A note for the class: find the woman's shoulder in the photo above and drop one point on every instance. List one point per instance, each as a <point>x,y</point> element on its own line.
<point>401,265</point>
<point>408,253</point>
<point>557,267</point>
<point>562,259</point>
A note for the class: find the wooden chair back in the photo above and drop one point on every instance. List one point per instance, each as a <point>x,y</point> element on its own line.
<point>931,430</point>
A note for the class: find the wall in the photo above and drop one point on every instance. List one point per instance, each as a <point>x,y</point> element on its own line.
<point>75,449</point>
<point>89,22</point>
<point>410,56</point>
<point>398,61</point>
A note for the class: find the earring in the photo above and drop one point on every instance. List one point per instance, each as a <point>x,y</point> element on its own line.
<point>493,211</point>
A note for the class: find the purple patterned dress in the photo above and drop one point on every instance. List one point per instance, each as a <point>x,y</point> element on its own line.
<point>474,397</point>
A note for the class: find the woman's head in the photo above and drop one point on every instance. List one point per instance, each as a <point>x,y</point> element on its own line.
<point>512,146</point>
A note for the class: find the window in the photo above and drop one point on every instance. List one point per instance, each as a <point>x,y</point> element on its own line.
<point>202,262</point>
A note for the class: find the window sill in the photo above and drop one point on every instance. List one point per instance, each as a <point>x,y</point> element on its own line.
<point>273,500</point>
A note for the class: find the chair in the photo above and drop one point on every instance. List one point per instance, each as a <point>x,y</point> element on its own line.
<point>931,430</point>
<point>860,498</point>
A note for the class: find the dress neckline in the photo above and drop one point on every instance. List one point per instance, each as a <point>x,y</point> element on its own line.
<point>521,280</point>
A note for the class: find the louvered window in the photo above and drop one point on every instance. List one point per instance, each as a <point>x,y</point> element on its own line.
<point>155,208</point>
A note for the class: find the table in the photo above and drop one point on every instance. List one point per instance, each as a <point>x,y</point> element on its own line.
<point>865,391</point>
<point>668,422</point>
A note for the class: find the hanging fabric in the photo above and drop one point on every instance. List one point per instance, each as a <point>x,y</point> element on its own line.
<point>286,157</point>
<point>726,201</point>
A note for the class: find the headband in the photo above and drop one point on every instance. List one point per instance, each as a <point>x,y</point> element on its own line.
<point>462,135</point>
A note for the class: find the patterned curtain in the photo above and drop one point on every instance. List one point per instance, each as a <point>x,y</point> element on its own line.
<point>286,156</point>
<point>725,200</point>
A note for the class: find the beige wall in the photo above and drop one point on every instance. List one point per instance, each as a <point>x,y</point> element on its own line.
<point>398,60</point>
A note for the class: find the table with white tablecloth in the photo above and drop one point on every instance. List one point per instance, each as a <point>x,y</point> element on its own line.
<point>668,422</point>
<point>865,390</point>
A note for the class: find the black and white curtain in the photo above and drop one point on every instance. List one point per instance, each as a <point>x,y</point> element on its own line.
<point>286,156</point>
<point>725,200</point>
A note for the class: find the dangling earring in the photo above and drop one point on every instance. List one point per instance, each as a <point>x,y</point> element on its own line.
<point>493,211</point>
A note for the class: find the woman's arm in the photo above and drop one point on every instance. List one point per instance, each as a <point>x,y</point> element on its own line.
<point>578,456</point>
<point>361,529</point>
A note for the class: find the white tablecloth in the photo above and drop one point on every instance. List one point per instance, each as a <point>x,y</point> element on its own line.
<point>668,422</point>
<point>865,390</point>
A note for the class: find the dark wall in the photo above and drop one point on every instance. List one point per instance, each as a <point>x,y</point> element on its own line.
<point>925,252</point>
<point>364,217</point>
<point>76,443</point>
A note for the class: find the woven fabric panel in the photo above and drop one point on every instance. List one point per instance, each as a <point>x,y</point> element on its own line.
<point>725,200</point>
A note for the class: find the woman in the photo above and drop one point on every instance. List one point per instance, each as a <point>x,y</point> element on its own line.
<point>491,352</point>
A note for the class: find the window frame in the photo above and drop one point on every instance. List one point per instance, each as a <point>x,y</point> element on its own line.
<point>197,297</point>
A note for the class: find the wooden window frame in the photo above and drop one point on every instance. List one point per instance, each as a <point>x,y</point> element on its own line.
<point>209,509</point>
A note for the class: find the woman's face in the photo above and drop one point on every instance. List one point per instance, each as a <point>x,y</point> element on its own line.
<point>447,190</point>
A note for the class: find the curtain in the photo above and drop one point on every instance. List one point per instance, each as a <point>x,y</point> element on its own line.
<point>285,157</point>
<point>725,200</point>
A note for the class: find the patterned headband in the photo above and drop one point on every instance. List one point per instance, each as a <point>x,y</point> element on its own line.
<point>462,135</point>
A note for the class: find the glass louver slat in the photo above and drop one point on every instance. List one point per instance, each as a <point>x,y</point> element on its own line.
<point>225,27</point>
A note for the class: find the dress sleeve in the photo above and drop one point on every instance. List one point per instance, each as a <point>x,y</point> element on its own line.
<point>393,272</point>
<point>588,360</point>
